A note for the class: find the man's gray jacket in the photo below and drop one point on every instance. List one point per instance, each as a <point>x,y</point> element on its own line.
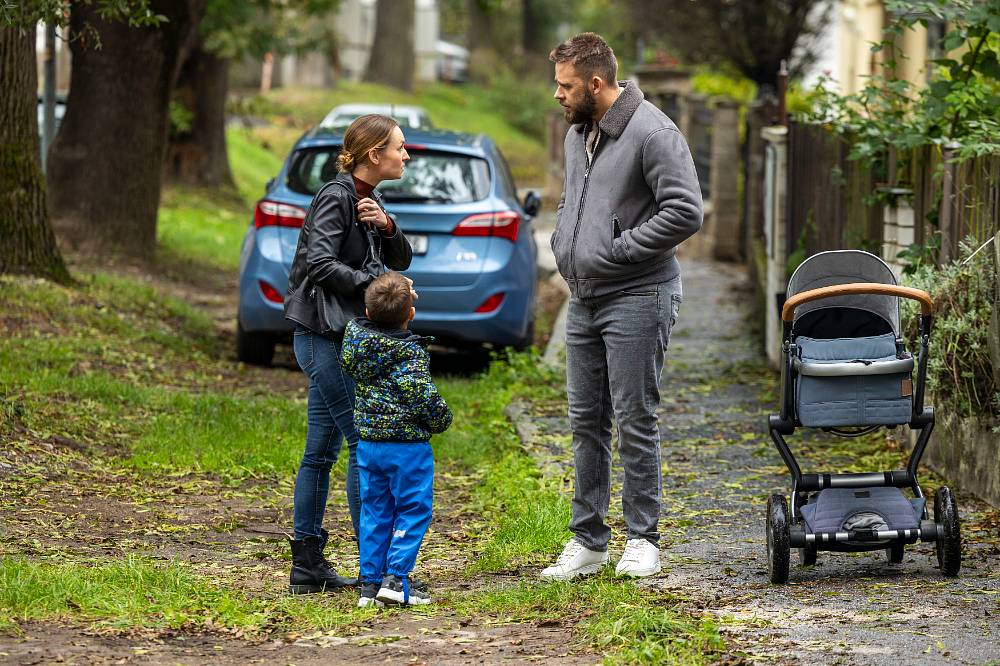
<point>624,212</point>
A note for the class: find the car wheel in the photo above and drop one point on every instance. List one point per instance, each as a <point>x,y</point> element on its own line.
<point>254,348</point>
<point>528,339</point>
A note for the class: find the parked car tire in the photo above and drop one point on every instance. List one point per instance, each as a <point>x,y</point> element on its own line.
<point>528,339</point>
<point>254,348</point>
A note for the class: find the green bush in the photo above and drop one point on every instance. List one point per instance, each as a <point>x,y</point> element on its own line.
<point>959,369</point>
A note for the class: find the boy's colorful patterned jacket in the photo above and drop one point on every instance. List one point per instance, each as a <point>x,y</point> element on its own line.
<point>396,397</point>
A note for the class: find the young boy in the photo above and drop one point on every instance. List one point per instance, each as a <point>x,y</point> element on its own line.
<point>397,409</point>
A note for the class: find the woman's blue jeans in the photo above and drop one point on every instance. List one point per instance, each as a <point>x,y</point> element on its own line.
<point>331,420</point>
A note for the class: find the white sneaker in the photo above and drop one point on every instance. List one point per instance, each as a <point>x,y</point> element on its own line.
<point>640,558</point>
<point>575,560</point>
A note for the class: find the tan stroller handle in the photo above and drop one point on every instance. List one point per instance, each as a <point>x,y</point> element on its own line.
<point>854,288</point>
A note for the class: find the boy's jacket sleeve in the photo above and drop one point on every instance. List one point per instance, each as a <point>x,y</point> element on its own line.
<point>421,395</point>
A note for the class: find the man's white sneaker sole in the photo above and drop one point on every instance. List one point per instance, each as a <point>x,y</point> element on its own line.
<point>575,573</point>
<point>639,573</point>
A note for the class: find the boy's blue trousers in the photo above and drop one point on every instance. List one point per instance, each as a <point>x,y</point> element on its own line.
<point>397,489</point>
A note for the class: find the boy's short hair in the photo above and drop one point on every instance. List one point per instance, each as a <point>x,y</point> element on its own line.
<point>389,300</point>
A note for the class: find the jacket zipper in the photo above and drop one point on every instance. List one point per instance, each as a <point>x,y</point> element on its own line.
<point>583,198</point>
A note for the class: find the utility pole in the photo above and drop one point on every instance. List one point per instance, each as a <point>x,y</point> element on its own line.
<point>49,94</point>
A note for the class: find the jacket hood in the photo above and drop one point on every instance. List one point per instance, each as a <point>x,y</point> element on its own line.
<point>370,353</point>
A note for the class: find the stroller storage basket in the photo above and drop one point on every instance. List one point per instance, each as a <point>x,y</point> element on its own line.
<point>852,382</point>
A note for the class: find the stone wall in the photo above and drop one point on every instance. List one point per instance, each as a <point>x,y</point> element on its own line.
<point>967,453</point>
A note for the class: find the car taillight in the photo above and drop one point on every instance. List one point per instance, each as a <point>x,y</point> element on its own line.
<point>274,214</point>
<point>270,293</point>
<point>503,224</point>
<point>491,303</point>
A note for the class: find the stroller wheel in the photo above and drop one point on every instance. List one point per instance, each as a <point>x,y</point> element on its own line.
<point>894,553</point>
<point>807,556</point>
<point>949,545</point>
<point>777,538</point>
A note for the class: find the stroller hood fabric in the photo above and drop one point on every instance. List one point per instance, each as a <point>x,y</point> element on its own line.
<point>826,269</point>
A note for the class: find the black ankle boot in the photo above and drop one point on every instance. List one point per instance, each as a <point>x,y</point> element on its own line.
<point>310,570</point>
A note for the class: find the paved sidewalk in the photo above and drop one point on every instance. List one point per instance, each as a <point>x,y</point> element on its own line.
<point>719,468</point>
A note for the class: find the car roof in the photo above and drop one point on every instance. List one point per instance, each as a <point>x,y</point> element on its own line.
<point>438,138</point>
<point>412,116</point>
<point>362,109</point>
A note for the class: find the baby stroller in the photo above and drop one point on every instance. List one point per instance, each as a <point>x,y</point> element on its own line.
<point>846,370</point>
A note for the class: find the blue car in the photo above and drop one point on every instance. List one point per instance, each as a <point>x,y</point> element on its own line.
<point>474,254</point>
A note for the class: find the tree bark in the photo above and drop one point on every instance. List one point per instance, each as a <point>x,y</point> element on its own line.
<point>27,244</point>
<point>198,155</point>
<point>392,56</point>
<point>532,28</point>
<point>106,164</point>
<point>480,35</point>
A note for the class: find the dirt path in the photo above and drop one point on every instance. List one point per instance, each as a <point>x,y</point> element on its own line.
<point>719,468</point>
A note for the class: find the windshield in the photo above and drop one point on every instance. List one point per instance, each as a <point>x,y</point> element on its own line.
<point>430,176</point>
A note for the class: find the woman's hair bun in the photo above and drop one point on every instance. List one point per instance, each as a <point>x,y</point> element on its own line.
<point>345,161</point>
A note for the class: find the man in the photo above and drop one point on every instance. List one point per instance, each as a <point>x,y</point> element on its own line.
<point>631,195</point>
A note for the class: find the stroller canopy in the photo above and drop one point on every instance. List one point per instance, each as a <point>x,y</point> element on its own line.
<point>844,267</point>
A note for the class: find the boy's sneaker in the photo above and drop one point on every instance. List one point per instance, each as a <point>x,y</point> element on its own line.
<point>575,560</point>
<point>640,559</point>
<point>368,593</point>
<point>398,591</point>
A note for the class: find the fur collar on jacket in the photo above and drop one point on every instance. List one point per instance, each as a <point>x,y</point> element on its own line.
<point>616,118</point>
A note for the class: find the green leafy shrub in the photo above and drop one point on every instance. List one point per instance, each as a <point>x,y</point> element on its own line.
<point>961,104</point>
<point>959,369</point>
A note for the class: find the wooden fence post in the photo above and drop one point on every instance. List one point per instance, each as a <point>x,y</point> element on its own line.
<point>946,212</point>
<point>994,338</point>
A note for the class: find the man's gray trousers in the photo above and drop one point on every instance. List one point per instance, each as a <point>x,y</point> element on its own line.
<point>615,347</point>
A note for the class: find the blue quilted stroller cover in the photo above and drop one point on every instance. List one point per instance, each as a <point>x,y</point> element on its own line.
<point>827,395</point>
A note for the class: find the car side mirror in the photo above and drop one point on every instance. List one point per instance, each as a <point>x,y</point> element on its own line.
<point>532,203</point>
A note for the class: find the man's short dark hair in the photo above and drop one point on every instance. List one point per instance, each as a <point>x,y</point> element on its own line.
<point>590,55</point>
<point>389,300</point>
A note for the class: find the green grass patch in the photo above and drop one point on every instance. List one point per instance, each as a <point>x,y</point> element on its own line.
<point>631,624</point>
<point>135,592</point>
<point>197,227</point>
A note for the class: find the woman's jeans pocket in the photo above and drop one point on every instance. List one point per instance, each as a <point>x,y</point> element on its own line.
<point>302,345</point>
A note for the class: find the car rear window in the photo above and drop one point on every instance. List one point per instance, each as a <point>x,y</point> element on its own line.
<point>430,177</point>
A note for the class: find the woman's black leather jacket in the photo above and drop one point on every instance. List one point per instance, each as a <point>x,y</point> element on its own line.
<point>341,256</point>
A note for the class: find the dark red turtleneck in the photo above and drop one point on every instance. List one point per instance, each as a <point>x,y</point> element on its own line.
<point>365,190</point>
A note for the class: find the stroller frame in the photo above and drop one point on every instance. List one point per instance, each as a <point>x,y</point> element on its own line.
<point>787,529</point>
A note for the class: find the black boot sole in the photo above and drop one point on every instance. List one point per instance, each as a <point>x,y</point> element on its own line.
<point>306,589</point>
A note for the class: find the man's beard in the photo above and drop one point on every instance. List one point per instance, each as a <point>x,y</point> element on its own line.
<point>584,112</point>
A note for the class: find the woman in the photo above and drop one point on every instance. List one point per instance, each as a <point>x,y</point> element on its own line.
<point>347,240</point>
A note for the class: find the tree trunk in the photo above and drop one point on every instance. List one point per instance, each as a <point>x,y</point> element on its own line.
<point>532,28</point>
<point>197,155</point>
<point>27,244</point>
<point>106,164</point>
<point>480,35</point>
<point>392,56</point>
